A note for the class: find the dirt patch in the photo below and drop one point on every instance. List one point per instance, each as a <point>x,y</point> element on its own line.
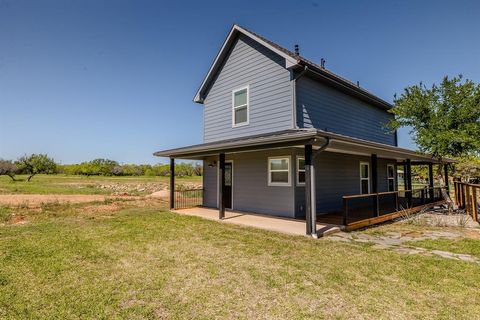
<point>36,200</point>
<point>473,234</point>
<point>18,220</point>
<point>102,208</point>
<point>161,194</point>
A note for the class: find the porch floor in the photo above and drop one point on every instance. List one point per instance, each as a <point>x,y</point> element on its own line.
<point>272,223</point>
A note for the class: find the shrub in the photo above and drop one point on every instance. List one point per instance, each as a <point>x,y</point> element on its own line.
<point>8,168</point>
<point>35,164</point>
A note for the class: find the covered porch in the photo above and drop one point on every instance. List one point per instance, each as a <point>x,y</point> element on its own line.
<point>249,219</point>
<point>353,203</point>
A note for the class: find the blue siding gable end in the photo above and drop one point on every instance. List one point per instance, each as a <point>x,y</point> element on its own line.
<point>270,91</point>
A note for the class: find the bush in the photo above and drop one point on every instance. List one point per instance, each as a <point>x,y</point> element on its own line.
<point>107,167</point>
<point>35,164</point>
<point>8,168</point>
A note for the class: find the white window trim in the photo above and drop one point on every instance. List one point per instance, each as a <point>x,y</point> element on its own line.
<point>392,178</point>
<point>280,184</point>
<point>234,108</point>
<point>361,179</point>
<point>298,171</point>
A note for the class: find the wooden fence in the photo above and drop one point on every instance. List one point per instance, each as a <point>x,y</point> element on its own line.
<point>467,197</point>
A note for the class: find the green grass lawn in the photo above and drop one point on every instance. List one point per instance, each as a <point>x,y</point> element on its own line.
<point>68,184</point>
<point>134,260</point>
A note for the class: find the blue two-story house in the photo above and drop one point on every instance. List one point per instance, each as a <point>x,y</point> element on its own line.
<point>284,136</point>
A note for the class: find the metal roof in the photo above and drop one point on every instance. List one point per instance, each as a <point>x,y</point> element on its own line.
<point>297,138</point>
<point>292,61</point>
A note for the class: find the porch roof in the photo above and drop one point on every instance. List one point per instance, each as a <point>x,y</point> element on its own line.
<point>297,138</point>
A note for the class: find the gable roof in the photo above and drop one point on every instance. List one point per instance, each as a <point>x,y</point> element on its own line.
<point>292,61</point>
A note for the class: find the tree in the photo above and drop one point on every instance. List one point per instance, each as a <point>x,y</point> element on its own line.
<point>468,169</point>
<point>444,119</point>
<point>7,167</point>
<point>35,164</point>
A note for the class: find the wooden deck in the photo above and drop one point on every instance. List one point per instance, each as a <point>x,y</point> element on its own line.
<point>364,218</point>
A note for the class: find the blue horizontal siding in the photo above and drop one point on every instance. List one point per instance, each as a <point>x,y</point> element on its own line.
<point>326,108</point>
<point>271,95</point>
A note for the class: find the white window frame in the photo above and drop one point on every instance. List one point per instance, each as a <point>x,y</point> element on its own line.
<point>391,178</point>
<point>361,179</point>
<point>298,171</point>
<point>234,125</point>
<point>289,170</point>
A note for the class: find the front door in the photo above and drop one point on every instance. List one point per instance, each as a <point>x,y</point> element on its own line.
<point>228,185</point>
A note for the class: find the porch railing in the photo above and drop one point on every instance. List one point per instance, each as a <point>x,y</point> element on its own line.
<point>366,206</point>
<point>188,198</point>
<point>467,197</point>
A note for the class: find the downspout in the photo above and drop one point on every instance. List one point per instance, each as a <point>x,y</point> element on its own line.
<point>294,104</point>
<point>313,214</point>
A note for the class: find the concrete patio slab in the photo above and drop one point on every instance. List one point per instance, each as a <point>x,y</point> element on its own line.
<point>278,224</point>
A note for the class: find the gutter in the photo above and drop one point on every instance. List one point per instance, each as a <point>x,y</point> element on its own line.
<point>313,195</point>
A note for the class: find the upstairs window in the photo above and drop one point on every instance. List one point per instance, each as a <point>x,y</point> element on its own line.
<point>240,107</point>
<point>279,171</point>
<point>364,177</point>
<point>391,177</point>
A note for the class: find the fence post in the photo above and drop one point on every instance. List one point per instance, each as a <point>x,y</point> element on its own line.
<point>455,193</point>
<point>377,205</point>
<point>430,182</point>
<point>468,200</point>
<point>345,211</point>
<point>475,203</point>
<point>395,197</point>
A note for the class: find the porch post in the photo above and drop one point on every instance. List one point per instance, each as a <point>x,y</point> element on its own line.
<point>408,177</point>
<point>172,183</point>
<point>221,187</point>
<point>313,196</point>
<point>374,161</point>
<point>447,186</point>
<point>308,188</point>
<point>430,180</point>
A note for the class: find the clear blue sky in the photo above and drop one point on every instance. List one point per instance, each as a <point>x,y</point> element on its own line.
<point>115,79</point>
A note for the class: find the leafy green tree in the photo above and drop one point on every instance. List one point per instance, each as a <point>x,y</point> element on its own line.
<point>444,119</point>
<point>8,168</point>
<point>468,169</point>
<point>35,164</point>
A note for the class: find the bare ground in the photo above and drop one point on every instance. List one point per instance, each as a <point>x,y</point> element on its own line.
<point>36,200</point>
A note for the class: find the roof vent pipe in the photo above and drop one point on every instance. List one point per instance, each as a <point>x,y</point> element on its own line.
<point>322,63</point>
<point>297,50</point>
<point>358,84</point>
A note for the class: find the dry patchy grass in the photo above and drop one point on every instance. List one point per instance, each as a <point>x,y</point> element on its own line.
<point>133,259</point>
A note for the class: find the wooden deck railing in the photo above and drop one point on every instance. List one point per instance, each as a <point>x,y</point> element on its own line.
<point>467,197</point>
<point>367,206</point>
<point>188,198</point>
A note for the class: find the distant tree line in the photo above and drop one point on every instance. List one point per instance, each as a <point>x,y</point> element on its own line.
<point>42,163</point>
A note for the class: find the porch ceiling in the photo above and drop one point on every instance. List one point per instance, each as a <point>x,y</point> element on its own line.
<point>280,139</point>
<point>298,138</point>
<point>344,144</point>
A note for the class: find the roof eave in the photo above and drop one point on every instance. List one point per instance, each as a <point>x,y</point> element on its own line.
<point>289,61</point>
<point>347,85</point>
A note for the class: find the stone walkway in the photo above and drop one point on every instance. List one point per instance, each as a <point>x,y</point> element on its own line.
<point>395,241</point>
